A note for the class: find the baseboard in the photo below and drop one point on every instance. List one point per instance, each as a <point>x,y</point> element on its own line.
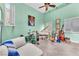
<point>74,41</point>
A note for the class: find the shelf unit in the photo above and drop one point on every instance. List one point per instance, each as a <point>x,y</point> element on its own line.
<point>57,25</point>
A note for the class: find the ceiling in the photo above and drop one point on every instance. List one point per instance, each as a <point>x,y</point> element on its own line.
<point>42,10</point>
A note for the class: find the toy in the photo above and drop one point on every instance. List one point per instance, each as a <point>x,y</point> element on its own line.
<point>52,38</point>
<point>49,35</point>
<point>58,40</point>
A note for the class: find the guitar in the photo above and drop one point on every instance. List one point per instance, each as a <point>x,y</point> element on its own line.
<point>61,34</point>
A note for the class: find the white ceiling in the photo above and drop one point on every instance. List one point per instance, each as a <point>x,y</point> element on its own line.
<point>42,10</point>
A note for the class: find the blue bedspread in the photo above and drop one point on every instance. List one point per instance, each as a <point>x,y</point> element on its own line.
<point>12,51</point>
<point>8,43</point>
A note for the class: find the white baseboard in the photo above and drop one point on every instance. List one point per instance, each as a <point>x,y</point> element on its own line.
<point>74,41</point>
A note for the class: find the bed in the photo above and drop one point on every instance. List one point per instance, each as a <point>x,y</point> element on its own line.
<point>18,47</point>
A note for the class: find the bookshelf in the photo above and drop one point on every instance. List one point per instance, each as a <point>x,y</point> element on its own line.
<point>57,25</point>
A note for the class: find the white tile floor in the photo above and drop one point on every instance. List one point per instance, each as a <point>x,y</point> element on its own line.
<point>58,49</point>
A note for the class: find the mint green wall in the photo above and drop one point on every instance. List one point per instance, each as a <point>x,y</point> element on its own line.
<point>69,11</point>
<point>21,19</point>
<point>21,22</point>
<point>22,12</point>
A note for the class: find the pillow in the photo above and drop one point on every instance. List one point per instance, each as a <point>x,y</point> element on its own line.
<point>3,50</point>
<point>19,42</point>
<point>30,50</point>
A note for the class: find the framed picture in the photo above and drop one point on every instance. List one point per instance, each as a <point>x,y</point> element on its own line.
<point>31,20</point>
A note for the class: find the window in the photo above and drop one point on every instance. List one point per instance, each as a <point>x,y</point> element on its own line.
<point>9,15</point>
<point>72,24</point>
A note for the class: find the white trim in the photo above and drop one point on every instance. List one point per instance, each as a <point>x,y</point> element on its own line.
<point>74,41</point>
<point>72,18</point>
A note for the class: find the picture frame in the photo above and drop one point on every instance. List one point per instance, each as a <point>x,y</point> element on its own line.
<point>31,20</point>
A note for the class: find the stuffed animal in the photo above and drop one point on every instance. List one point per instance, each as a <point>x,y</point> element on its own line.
<point>58,40</point>
<point>52,38</point>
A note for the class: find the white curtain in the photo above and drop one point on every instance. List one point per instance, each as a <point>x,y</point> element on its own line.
<point>71,24</point>
<point>9,15</point>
